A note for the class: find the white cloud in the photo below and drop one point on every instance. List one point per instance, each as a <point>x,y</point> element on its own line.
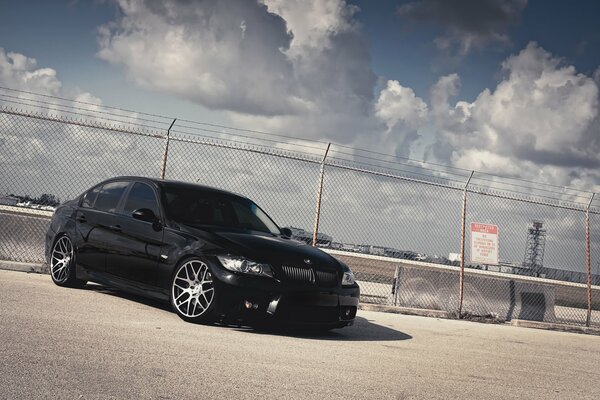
<point>542,117</point>
<point>312,23</point>
<point>223,55</point>
<point>446,87</point>
<point>38,156</point>
<point>398,105</point>
<point>331,63</point>
<point>19,72</point>
<point>296,67</point>
<point>597,75</point>
<point>403,114</point>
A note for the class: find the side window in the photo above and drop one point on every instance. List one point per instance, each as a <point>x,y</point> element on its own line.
<point>140,196</point>
<point>109,196</point>
<point>90,197</point>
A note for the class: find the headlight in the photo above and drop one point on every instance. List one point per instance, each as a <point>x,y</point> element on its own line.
<point>348,279</point>
<point>245,266</point>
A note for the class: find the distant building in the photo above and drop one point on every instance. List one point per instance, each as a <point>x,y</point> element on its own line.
<point>377,250</point>
<point>300,234</point>
<point>363,248</point>
<point>403,254</point>
<point>348,247</point>
<point>454,257</point>
<point>391,252</point>
<point>503,266</point>
<point>8,201</point>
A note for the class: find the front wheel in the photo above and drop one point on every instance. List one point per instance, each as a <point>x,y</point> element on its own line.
<point>62,263</point>
<point>193,294</point>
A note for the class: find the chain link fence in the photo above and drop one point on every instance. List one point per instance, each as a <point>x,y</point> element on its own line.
<point>397,223</point>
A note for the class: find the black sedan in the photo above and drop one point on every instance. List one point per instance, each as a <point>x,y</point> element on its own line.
<point>214,255</point>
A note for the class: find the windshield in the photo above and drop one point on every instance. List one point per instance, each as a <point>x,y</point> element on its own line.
<point>205,208</point>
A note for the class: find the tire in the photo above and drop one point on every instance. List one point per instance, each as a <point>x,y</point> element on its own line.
<point>62,263</point>
<point>193,293</point>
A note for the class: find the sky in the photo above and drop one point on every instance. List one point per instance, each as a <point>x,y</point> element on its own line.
<point>499,86</point>
<point>505,87</point>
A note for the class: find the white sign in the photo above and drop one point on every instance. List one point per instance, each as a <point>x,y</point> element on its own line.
<point>484,243</point>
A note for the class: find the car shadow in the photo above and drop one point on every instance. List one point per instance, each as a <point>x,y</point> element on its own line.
<point>363,329</point>
<point>128,296</point>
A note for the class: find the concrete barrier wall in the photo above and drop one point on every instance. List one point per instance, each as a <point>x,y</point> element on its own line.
<point>492,296</point>
<point>503,296</point>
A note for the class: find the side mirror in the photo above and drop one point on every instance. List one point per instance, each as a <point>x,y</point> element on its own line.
<point>144,214</point>
<point>287,232</point>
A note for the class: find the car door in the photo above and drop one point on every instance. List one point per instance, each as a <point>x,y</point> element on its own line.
<point>136,245</point>
<point>93,222</point>
<point>90,235</point>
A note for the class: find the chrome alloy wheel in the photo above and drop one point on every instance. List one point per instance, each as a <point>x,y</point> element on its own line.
<point>193,289</point>
<point>62,255</point>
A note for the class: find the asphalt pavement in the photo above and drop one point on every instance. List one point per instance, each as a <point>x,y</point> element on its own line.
<point>97,343</point>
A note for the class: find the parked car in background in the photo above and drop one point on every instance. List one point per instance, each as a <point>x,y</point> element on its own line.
<point>212,254</point>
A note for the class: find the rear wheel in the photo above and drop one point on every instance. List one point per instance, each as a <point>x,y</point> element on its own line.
<point>193,294</point>
<point>62,263</point>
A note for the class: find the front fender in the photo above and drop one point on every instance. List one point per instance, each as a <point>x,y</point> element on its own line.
<point>177,246</point>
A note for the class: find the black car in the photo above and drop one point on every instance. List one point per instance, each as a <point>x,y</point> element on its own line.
<point>214,255</point>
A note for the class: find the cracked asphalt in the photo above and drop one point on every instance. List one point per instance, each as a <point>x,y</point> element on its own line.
<point>96,343</point>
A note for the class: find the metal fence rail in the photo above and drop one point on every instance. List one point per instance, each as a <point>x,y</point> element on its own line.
<point>396,222</point>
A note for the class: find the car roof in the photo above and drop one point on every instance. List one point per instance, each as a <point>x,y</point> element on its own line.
<point>174,184</point>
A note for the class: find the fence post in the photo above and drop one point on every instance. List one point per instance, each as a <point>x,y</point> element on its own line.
<point>462,246</point>
<point>163,167</point>
<point>395,284</point>
<point>319,193</point>
<point>588,260</point>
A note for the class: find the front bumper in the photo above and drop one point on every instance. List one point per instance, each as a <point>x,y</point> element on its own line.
<point>254,299</point>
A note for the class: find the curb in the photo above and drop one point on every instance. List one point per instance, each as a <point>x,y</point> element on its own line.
<point>407,311</point>
<point>555,327</point>
<point>24,267</point>
<point>549,326</point>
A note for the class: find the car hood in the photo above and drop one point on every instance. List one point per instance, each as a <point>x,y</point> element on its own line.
<point>275,250</point>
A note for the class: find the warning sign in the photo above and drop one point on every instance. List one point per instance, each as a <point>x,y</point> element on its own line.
<point>484,243</point>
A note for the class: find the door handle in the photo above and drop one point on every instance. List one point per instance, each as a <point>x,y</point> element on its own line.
<point>116,228</point>
<point>81,218</point>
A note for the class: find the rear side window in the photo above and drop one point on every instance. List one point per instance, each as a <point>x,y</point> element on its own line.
<point>140,196</point>
<point>90,197</point>
<point>109,196</point>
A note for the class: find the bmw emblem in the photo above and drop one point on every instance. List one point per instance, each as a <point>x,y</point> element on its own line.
<point>307,261</point>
